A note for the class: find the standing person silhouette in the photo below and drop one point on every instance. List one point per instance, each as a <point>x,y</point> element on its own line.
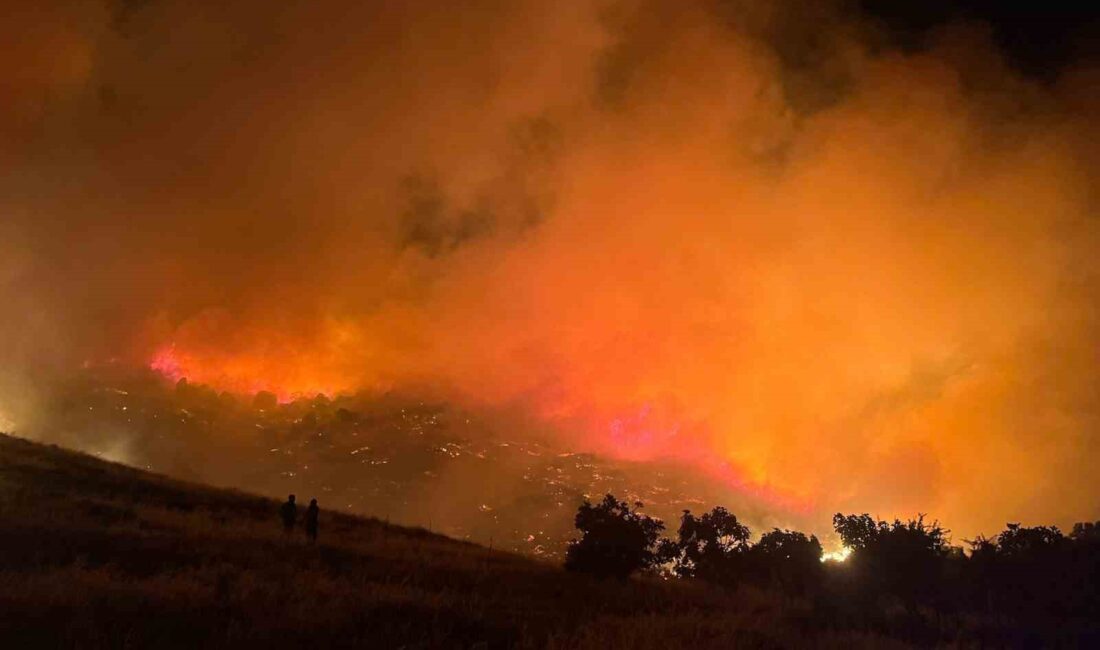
<point>289,513</point>
<point>311,520</point>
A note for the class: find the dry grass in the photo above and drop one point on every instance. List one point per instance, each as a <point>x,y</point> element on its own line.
<point>94,555</point>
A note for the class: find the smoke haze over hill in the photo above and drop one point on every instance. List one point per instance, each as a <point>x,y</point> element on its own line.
<point>760,240</point>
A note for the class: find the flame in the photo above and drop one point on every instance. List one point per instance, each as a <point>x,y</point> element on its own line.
<point>839,555</point>
<point>166,362</point>
<point>638,434</point>
<point>244,374</point>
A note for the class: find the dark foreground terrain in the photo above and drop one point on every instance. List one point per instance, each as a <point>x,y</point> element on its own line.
<point>95,555</point>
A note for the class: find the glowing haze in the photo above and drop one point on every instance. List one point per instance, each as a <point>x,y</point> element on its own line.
<point>743,235</point>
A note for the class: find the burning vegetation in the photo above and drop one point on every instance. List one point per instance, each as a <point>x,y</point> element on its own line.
<point>461,265</point>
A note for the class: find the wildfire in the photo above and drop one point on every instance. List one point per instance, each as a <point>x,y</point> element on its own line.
<point>287,378</point>
<point>839,555</point>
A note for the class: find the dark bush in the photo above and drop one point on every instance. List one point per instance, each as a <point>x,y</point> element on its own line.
<point>901,559</point>
<point>616,540</point>
<point>788,560</point>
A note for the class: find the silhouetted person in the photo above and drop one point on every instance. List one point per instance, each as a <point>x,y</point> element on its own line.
<point>311,520</point>
<point>289,513</point>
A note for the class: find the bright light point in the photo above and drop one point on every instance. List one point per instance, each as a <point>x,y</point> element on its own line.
<point>836,556</point>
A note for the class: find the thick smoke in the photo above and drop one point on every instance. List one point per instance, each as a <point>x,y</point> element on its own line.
<point>716,232</point>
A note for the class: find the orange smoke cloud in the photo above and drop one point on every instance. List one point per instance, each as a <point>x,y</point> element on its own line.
<point>865,282</point>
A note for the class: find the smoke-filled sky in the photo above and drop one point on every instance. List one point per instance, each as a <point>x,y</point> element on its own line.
<point>849,252</point>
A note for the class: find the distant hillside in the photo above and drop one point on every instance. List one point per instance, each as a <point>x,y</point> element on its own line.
<point>469,475</point>
<point>99,555</point>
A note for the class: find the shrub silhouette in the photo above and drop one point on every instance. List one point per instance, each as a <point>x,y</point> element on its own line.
<point>711,547</point>
<point>616,540</point>
<point>857,531</point>
<point>1086,532</point>
<point>788,560</point>
<point>1084,567</point>
<point>901,559</point>
<point>1037,574</point>
<point>1023,587</point>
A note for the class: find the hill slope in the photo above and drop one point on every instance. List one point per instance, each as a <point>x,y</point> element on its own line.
<point>95,554</point>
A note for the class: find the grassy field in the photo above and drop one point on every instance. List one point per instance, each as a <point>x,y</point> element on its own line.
<point>96,555</point>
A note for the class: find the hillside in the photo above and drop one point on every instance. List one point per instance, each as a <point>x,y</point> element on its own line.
<point>95,555</point>
<point>469,475</point>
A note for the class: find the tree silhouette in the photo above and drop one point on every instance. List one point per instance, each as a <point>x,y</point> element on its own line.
<point>712,545</point>
<point>902,559</point>
<point>1019,541</point>
<point>1030,571</point>
<point>616,540</point>
<point>1026,586</point>
<point>1087,532</point>
<point>787,559</point>
<point>857,531</point>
